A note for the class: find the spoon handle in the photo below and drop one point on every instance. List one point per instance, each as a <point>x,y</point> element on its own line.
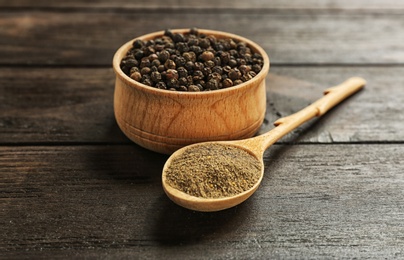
<point>332,96</point>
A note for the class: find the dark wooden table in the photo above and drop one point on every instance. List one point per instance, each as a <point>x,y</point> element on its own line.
<point>73,186</point>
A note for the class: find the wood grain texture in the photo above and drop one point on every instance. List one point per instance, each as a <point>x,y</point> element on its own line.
<point>369,116</point>
<point>226,4</point>
<point>68,105</point>
<point>289,36</point>
<point>107,201</point>
<point>57,105</point>
<point>72,186</point>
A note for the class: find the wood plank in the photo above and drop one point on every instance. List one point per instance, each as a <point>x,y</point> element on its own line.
<point>289,36</point>
<point>226,4</point>
<point>57,105</point>
<point>107,201</point>
<point>372,115</point>
<point>68,105</point>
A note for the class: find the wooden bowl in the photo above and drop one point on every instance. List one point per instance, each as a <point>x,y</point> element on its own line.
<point>164,121</point>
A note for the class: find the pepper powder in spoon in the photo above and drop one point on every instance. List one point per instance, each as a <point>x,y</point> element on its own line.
<point>214,171</point>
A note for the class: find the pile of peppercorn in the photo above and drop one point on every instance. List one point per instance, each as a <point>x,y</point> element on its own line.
<point>191,62</point>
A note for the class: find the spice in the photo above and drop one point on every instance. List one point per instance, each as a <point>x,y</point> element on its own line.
<point>191,53</point>
<point>213,171</point>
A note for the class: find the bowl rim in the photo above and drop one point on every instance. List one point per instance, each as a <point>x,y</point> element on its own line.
<point>121,52</point>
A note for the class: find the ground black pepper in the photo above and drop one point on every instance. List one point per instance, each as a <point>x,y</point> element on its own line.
<point>213,171</point>
<point>191,54</point>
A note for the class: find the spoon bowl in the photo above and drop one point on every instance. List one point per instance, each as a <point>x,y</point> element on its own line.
<point>209,204</point>
<point>256,147</point>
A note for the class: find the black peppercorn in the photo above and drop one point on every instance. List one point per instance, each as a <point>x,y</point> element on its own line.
<point>178,37</point>
<point>189,65</point>
<point>226,69</point>
<point>155,76</point>
<point>217,61</point>
<point>244,69</point>
<point>182,72</point>
<point>145,62</point>
<point>232,63</point>
<point>147,82</point>
<point>138,44</point>
<point>169,45</point>
<point>234,74</point>
<point>168,33</point>
<point>153,57</point>
<point>198,66</point>
<point>204,43</point>
<point>252,73</point>
<point>248,58</point>
<point>218,46</point>
<point>159,47</point>
<point>197,75</point>
<point>193,31</point>
<point>246,77</point>
<point>182,88</point>
<point>206,55</point>
<point>130,62</point>
<point>193,88</point>
<point>161,68</point>
<point>233,53</point>
<point>212,84</point>
<point>256,68</point>
<point>134,69</point>
<point>136,76</point>
<point>237,82</point>
<point>155,63</point>
<point>209,64</point>
<point>206,71</point>
<point>225,57</point>
<point>148,51</point>
<point>241,62</point>
<point>171,74</point>
<point>191,62</point>
<point>217,69</point>
<point>227,83</point>
<point>139,54</point>
<point>189,56</point>
<point>169,64</point>
<point>145,76</point>
<point>164,55</point>
<point>190,80</point>
<point>173,56</point>
<point>182,47</point>
<point>215,76</point>
<point>183,81</point>
<point>161,85</point>
<point>173,82</point>
<point>257,56</point>
<point>145,70</point>
<point>193,41</point>
<point>180,61</point>
<point>200,87</point>
<point>150,43</point>
<point>196,49</point>
<point>201,83</point>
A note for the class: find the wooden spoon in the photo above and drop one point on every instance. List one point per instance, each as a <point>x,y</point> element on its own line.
<point>256,146</point>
